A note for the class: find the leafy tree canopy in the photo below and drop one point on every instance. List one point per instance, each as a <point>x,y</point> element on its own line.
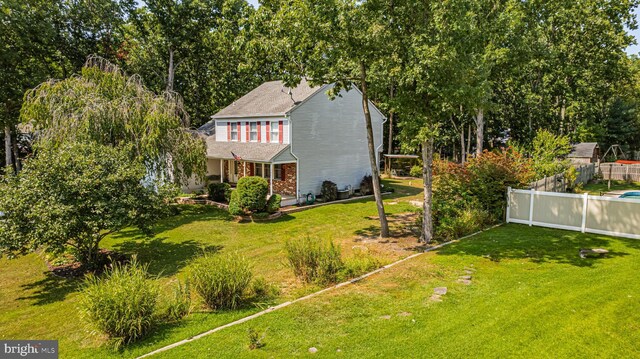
<point>104,106</point>
<point>70,198</point>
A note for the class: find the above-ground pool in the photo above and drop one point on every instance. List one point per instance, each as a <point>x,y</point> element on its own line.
<point>631,195</point>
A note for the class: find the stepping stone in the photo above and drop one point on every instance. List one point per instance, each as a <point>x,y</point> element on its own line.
<point>467,277</point>
<point>435,298</point>
<point>468,271</point>
<point>387,317</point>
<point>464,281</point>
<point>440,290</point>
<point>404,314</point>
<point>313,350</point>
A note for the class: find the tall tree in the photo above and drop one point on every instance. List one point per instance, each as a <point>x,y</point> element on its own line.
<point>105,106</point>
<point>341,42</point>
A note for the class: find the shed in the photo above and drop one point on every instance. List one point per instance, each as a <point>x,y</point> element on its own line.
<point>585,152</point>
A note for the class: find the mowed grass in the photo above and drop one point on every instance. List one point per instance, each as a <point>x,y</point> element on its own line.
<point>37,305</point>
<point>531,296</point>
<point>603,187</point>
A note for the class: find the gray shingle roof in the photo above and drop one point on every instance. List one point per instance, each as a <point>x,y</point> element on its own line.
<point>249,151</point>
<point>269,99</point>
<point>584,149</point>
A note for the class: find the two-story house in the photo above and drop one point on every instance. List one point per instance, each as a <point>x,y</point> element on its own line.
<point>295,138</point>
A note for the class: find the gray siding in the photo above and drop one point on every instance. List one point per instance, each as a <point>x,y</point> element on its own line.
<point>329,138</point>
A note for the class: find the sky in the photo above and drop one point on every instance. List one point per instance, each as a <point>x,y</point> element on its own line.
<point>633,49</point>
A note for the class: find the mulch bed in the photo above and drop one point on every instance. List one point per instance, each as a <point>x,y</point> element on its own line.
<point>76,270</point>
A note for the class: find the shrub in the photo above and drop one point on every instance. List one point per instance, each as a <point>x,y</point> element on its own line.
<point>465,221</point>
<point>329,191</point>
<point>234,204</point>
<point>416,171</point>
<point>256,340</point>
<point>273,204</point>
<point>179,305</point>
<point>366,185</point>
<point>490,175</point>
<point>252,193</point>
<point>313,260</point>
<point>220,280</point>
<point>360,263</point>
<point>219,191</point>
<point>121,303</point>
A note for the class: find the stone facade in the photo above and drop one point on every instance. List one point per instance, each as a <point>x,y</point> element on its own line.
<point>283,186</point>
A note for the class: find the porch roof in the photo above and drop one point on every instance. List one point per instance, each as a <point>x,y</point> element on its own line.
<point>248,151</point>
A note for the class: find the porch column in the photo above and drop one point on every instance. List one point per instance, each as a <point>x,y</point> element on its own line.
<point>221,171</point>
<point>270,179</point>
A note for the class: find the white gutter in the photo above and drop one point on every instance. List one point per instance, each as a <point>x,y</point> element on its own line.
<point>381,143</point>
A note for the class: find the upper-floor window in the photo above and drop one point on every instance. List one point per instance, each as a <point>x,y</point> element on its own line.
<point>253,131</point>
<point>275,133</point>
<point>234,131</point>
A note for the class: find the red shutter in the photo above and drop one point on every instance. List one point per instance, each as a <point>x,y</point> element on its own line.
<point>268,130</point>
<point>246,124</point>
<point>280,134</point>
<point>259,130</point>
<point>252,169</point>
<point>228,131</point>
<point>282,167</point>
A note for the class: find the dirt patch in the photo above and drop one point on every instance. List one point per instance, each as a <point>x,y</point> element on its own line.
<point>73,269</point>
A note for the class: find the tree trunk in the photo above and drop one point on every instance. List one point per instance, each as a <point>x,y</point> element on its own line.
<point>16,153</point>
<point>469,140</point>
<point>463,153</point>
<point>7,146</point>
<point>563,111</point>
<point>390,144</point>
<point>427,176</point>
<point>479,119</point>
<point>172,69</point>
<point>384,226</point>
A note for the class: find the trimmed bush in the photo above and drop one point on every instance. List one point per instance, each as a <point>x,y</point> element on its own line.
<point>415,171</point>
<point>219,191</point>
<point>313,260</point>
<point>234,204</point>
<point>121,303</point>
<point>273,204</point>
<point>252,193</point>
<point>329,191</point>
<point>220,280</point>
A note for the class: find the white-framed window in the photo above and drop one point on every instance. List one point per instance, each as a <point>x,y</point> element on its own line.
<point>267,170</point>
<point>253,131</point>
<point>258,171</point>
<point>277,172</point>
<point>234,131</point>
<point>275,131</point>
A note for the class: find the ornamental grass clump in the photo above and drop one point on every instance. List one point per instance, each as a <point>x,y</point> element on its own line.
<point>121,303</point>
<point>221,280</point>
<point>313,260</point>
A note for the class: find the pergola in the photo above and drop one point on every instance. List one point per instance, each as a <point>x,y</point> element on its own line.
<point>388,159</point>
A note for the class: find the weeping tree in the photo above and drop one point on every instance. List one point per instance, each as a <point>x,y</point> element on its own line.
<point>103,105</point>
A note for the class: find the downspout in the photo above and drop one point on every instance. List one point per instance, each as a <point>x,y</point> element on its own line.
<point>381,142</point>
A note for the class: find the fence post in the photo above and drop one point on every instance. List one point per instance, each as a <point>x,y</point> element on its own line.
<point>585,203</point>
<point>508,203</point>
<point>531,208</point>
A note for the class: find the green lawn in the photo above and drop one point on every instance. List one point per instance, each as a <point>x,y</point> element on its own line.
<point>530,293</point>
<point>530,296</point>
<point>603,187</point>
<point>37,305</point>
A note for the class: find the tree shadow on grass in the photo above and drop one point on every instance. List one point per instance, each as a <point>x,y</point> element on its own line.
<point>163,257</point>
<point>50,289</point>
<point>400,190</point>
<point>538,245</point>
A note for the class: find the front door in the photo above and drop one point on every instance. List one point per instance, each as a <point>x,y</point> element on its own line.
<point>233,171</point>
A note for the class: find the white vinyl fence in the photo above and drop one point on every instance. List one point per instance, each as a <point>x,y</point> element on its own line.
<point>618,217</point>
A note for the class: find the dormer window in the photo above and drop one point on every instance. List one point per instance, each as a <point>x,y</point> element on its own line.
<point>234,131</point>
<point>275,132</point>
